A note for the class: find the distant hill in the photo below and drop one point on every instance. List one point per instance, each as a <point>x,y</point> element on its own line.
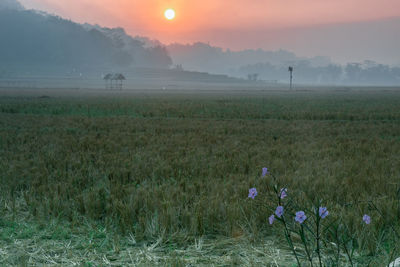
<point>38,42</point>
<point>143,52</point>
<point>204,57</point>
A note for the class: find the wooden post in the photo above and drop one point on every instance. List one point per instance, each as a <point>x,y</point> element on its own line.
<point>291,77</point>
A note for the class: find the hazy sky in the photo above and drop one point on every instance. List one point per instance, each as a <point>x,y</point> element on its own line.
<point>239,24</point>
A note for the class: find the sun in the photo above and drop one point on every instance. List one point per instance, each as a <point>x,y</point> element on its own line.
<point>169,14</point>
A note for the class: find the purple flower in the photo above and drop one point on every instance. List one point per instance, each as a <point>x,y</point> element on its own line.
<point>366,219</point>
<point>283,193</point>
<point>264,171</point>
<point>252,193</point>
<point>279,211</point>
<point>323,212</point>
<point>271,219</point>
<point>300,217</point>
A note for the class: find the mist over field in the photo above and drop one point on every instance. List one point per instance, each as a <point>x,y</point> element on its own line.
<point>199,133</point>
<point>35,43</point>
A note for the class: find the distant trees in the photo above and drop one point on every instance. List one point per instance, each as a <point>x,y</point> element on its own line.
<point>42,42</point>
<point>273,65</point>
<point>331,74</point>
<point>372,73</point>
<point>158,57</point>
<point>205,57</point>
<point>366,73</point>
<point>141,51</point>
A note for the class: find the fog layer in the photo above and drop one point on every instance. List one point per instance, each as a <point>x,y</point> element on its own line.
<point>36,43</point>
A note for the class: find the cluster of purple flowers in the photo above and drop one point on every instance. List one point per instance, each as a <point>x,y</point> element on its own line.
<point>279,211</point>
<point>252,193</point>
<point>283,193</point>
<point>366,219</point>
<point>323,212</point>
<point>300,215</point>
<point>271,219</point>
<point>264,171</point>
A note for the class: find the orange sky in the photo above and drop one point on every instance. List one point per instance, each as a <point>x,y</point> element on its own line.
<point>206,20</point>
<point>145,16</point>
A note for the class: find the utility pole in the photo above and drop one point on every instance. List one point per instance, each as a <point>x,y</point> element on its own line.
<point>291,77</point>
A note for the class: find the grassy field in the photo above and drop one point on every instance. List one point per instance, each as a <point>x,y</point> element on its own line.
<point>143,177</point>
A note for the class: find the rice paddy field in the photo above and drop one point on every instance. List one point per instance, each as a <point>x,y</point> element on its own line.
<point>161,177</point>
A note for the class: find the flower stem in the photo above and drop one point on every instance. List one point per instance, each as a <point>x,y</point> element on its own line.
<point>303,238</point>
<point>290,242</point>
<point>318,239</point>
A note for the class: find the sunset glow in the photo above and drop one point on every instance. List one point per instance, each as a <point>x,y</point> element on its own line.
<point>203,20</point>
<point>267,24</point>
<point>169,14</point>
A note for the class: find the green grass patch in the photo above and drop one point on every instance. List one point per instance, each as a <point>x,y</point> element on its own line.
<point>180,166</point>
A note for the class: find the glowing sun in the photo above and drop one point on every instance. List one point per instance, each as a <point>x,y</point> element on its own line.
<point>169,14</point>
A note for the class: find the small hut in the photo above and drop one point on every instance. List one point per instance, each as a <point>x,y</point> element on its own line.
<point>107,79</point>
<point>119,78</point>
<point>114,81</point>
<point>252,77</point>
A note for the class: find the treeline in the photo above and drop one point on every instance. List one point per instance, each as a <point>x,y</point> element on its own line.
<point>365,73</point>
<point>205,57</point>
<point>34,42</point>
<point>273,66</point>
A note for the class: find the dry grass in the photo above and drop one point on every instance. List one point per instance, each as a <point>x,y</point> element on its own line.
<point>177,168</point>
<point>70,253</point>
<point>55,242</point>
